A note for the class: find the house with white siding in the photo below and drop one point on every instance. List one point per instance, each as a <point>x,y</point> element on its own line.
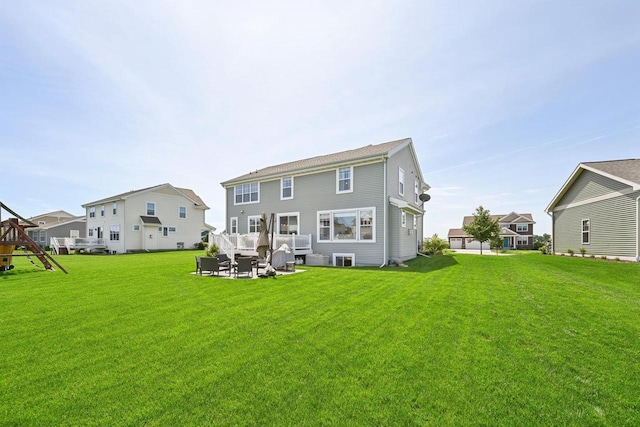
<point>162,217</point>
<point>598,209</point>
<point>356,207</point>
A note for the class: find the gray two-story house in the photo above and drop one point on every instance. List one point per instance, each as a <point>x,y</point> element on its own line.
<point>356,207</point>
<point>598,209</point>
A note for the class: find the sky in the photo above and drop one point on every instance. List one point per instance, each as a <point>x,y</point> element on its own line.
<point>502,99</point>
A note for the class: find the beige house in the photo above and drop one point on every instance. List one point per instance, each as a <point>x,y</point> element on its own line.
<point>516,232</point>
<point>163,217</point>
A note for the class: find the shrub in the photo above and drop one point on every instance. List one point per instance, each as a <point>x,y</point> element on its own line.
<point>543,250</point>
<point>583,251</point>
<point>617,258</point>
<point>434,245</point>
<point>212,250</point>
<point>593,256</point>
<point>604,257</point>
<point>570,252</point>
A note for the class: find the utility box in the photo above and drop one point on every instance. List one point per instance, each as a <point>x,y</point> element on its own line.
<point>317,259</point>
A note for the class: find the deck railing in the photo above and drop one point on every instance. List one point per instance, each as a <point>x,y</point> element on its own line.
<point>71,243</point>
<point>248,243</point>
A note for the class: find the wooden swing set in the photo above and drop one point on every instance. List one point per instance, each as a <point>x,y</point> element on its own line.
<point>13,235</point>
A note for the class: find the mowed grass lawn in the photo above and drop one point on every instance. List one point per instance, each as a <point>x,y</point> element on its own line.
<point>450,340</point>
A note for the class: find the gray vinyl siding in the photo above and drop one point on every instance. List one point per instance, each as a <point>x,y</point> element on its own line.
<point>613,227</point>
<point>590,185</point>
<point>317,192</point>
<point>403,244</point>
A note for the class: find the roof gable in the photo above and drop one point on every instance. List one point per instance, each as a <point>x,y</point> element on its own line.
<point>624,171</point>
<point>185,192</point>
<point>319,162</point>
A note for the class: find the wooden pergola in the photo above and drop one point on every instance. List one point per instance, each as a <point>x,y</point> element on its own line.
<point>13,235</point>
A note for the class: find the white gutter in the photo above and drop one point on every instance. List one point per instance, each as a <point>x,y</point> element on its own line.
<point>385,252</point>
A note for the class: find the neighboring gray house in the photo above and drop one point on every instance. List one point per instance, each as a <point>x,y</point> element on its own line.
<point>357,207</point>
<point>162,217</point>
<point>598,209</point>
<point>56,224</point>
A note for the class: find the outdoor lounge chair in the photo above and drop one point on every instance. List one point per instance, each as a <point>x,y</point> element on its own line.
<point>244,266</point>
<point>211,264</point>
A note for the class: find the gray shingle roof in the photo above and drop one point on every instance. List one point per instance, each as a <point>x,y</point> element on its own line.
<point>628,169</point>
<point>361,153</point>
<point>187,192</point>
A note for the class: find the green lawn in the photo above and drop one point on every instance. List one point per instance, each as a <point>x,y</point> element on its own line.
<point>451,340</point>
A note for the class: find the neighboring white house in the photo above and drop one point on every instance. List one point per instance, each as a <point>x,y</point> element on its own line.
<point>156,218</point>
<point>598,209</point>
<point>356,207</point>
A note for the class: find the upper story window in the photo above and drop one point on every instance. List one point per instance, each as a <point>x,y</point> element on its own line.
<point>286,188</point>
<point>416,192</point>
<point>115,208</point>
<point>182,212</point>
<point>522,227</point>
<point>347,225</point>
<point>344,180</point>
<point>151,208</point>
<point>92,212</point>
<point>401,181</point>
<point>102,210</point>
<point>586,231</point>
<point>247,193</point>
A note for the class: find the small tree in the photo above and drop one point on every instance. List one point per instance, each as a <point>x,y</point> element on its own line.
<point>496,242</point>
<point>434,245</point>
<point>482,228</point>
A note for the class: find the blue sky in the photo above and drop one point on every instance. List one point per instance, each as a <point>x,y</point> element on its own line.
<point>502,99</point>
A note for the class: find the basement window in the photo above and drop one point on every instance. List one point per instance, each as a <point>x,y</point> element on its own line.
<point>344,260</point>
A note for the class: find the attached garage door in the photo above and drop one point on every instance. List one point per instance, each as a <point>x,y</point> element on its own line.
<point>455,243</point>
<point>476,245</point>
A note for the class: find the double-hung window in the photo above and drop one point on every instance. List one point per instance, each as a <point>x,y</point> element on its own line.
<point>114,232</point>
<point>347,225</point>
<point>344,180</point>
<point>416,192</point>
<point>522,227</point>
<point>182,212</point>
<point>286,188</point>
<point>151,209</point>
<point>254,224</point>
<point>247,193</point>
<point>233,225</point>
<point>401,181</point>
<point>102,210</point>
<point>92,212</point>
<point>586,231</point>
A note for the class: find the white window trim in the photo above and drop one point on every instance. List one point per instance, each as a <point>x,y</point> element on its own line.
<point>350,190</point>
<point>401,181</point>
<point>233,223</point>
<point>351,255</point>
<point>588,232</point>
<point>282,187</point>
<point>185,212</point>
<point>357,239</point>
<point>136,227</point>
<point>280,215</point>
<point>114,208</point>
<point>403,219</point>
<point>146,208</point>
<point>522,225</point>
<point>416,192</point>
<point>257,222</point>
<point>250,201</point>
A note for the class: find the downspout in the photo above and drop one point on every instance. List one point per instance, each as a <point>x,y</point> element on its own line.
<point>553,240</point>
<point>385,244</point>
